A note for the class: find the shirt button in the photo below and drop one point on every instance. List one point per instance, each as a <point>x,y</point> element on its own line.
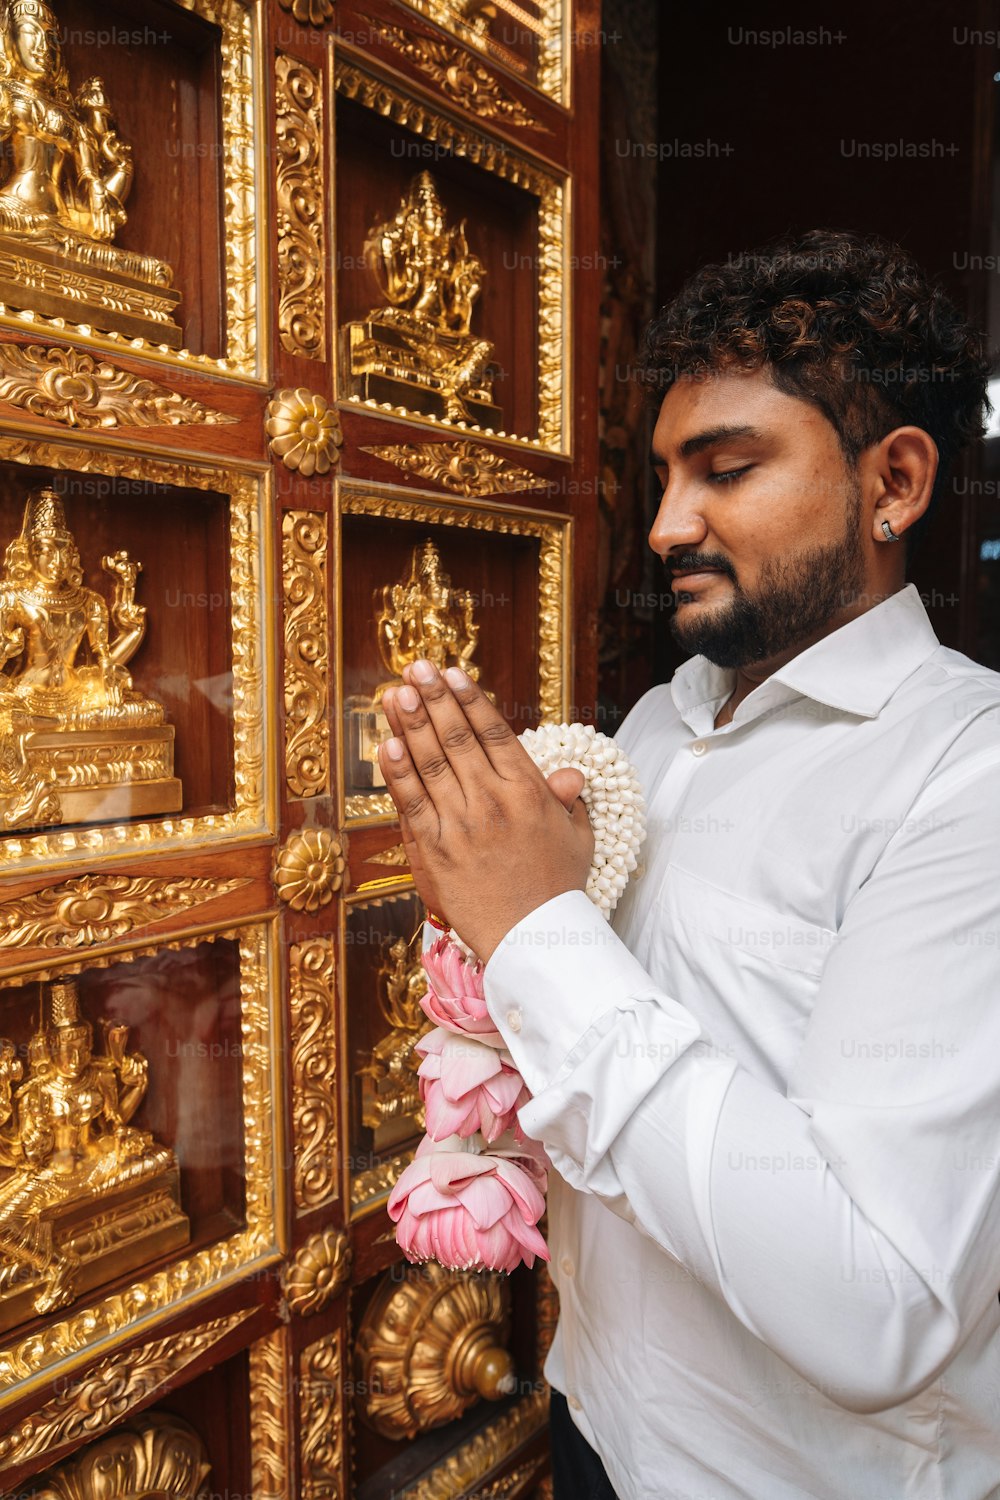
<point>566,1266</point>
<point>574,1403</point>
<point>514,1020</point>
<point>699,747</point>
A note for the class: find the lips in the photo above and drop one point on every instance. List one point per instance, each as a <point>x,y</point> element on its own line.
<point>696,576</point>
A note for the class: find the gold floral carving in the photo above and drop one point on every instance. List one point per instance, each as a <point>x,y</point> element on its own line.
<point>322,1419</point>
<point>270,1417</point>
<point>94,909</point>
<point>312,995</point>
<point>396,855</point>
<point>464,468</point>
<point>299,191</point>
<point>455,138</point>
<point>156,1454</point>
<point>512,1484</point>
<point>318,1272</point>
<point>309,12</point>
<point>109,1390</point>
<point>309,868</point>
<point>463,1471</point>
<point>307,653</point>
<point>303,431</point>
<point>460,77</point>
<point>126,1313</point>
<point>86,390</point>
<point>248,631</point>
<point>471,22</point>
<point>430,1344</point>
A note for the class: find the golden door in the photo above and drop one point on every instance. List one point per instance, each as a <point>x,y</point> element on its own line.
<point>298,380</point>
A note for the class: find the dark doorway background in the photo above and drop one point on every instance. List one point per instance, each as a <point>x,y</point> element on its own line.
<point>867,116</point>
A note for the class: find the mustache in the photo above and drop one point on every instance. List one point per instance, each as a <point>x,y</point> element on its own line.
<point>691,562</point>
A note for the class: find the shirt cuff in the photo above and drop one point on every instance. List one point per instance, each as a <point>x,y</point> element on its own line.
<point>552,977</point>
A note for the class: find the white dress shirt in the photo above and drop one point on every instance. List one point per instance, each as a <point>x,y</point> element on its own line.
<point>772,1091</point>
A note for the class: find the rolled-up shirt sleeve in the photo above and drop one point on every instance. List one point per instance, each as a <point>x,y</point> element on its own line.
<point>864,1243</point>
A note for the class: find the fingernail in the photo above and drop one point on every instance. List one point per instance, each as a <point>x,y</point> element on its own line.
<point>456,677</point>
<point>423,671</point>
<point>409,698</point>
<point>394,749</point>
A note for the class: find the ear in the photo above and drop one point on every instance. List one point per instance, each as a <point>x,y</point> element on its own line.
<point>901,470</point>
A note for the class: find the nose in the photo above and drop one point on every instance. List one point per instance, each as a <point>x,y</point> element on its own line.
<point>678,524</point>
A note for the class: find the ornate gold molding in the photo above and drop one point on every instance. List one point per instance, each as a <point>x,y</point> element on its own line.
<point>92,909</point>
<point>249,630</point>
<point>471,23</point>
<point>312,997</point>
<point>299,191</point>
<point>309,868</point>
<point>157,1454</point>
<point>431,1343</point>
<point>375,1183</point>
<point>272,1464</point>
<point>86,390</point>
<point>307,652</point>
<point>218,1264</point>
<point>460,77</point>
<point>109,1390</point>
<point>309,12</point>
<point>322,1419</point>
<point>303,430</point>
<point>463,1471</point>
<point>463,468</point>
<point>318,1272</point>
<point>495,156</point>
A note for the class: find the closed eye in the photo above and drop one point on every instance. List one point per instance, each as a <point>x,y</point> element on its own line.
<point>729,476</point>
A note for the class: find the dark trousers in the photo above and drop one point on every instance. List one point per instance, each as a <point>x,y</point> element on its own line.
<point>577,1472</point>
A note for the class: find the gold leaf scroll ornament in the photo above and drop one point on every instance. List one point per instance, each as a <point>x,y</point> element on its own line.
<point>461,77</point>
<point>84,390</point>
<point>98,909</point>
<point>463,468</point>
<point>157,1455</point>
<point>309,12</point>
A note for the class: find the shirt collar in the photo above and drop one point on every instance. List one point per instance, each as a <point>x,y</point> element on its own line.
<point>855,669</point>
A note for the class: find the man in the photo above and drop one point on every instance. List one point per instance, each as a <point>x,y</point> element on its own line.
<point>771,1094</point>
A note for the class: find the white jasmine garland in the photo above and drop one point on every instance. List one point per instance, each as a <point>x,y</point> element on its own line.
<point>611,795</point>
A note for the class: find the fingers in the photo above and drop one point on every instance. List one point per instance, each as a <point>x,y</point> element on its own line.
<point>566,784</point>
<point>496,739</point>
<point>445,750</point>
<point>415,808</point>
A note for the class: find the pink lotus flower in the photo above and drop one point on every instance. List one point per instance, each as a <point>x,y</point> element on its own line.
<point>468,1086</point>
<point>455,998</point>
<point>469,1210</point>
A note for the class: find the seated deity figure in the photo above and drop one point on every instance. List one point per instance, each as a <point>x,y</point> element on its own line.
<point>47,614</point>
<point>71,1155</point>
<point>69,166</point>
<point>77,738</point>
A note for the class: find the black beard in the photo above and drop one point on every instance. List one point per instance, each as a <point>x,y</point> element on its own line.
<point>795,598</point>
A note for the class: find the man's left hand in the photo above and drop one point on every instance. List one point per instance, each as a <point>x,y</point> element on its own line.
<point>487,837</point>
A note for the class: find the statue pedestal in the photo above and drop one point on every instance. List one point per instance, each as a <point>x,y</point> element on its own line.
<point>421,369</point>
<point>97,775</point>
<point>111,1233</point>
<point>367,726</point>
<point>88,282</point>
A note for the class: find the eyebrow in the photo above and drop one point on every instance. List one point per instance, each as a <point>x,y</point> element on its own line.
<point>707,439</point>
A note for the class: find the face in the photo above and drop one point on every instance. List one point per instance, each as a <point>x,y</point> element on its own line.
<point>33,48</point>
<point>72,1053</point>
<point>760,523</point>
<point>49,556</point>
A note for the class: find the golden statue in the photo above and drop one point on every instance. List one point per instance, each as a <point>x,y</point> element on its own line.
<point>391,1104</point>
<point>84,1196</point>
<point>423,616</point>
<point>63,201</point>
<point>78,741</point>
<point>419,350</point>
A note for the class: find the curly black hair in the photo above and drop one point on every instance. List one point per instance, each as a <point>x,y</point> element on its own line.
<point>846,322</point>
